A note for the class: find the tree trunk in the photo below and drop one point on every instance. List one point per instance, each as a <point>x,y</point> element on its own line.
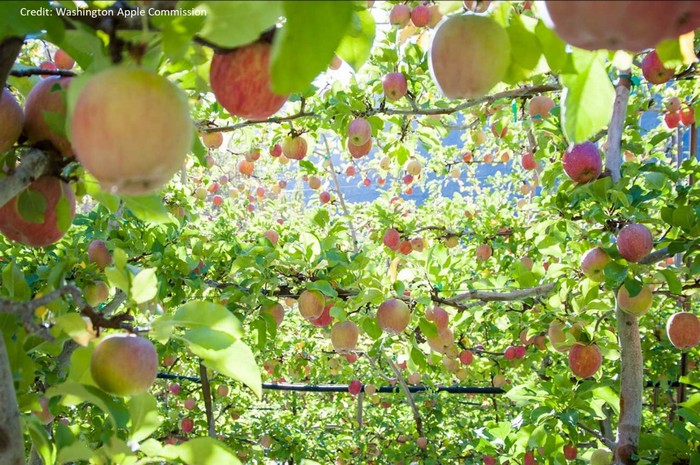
<point>11,439</point>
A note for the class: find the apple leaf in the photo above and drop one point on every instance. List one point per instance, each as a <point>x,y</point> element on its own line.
<point>525,48</point>
<point>14,282</point>
<point>588,97</point>
<point>31,206</point>
<point>41,442</point>
<point>145,419</point>
<point>314,27</point>
<point>75,394</point>
<point>232,24</point>
<point>198,314</point>
<point>355,47</point>
<point>145,286</point>
<point>149,208</point>
<point>677,52</point>
<point>206,451</point>
<point>554,50</point>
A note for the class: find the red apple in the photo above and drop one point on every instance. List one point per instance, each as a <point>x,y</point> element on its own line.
<point>466,357</point>
<point>405,247</point>
<point>272,235</point>
<point>400,15</point>
<point>246,167</point>
<point>355,387</point>
<point>540,106</point>
<point>672,119</point>
<point>276,311</point>
<point>187,425</point>
<point>190,403</point>
<point>99,254</point>
<point>683,330</point>
<point>528,161</point>
<point>212,140</point>
<point>350,171</point>
<point>394,86</point>
<point>461,41</point>
<point>570,451</point>
<point>324,197</point>
<point>483,252</point>
<point>529,458</point>
<point>344,336</point>
<point>366,182</point>
<point>392,239</point>
<point>12,119</point>
<point>276,150</point>
<point>294,147</point>
<point>311,304</point>
<point>687,116</point>
<point>634,242</point>
<point>654,70</point>
<point>46,103</point>
<point>324,319</point>
<point>439,316</point>
<point>593,264</point>
<point>637,305</point>
<point>252,155</point>
<point>422,442</point>
<point>393,316</point>
<point>443,342</point>
<point>241,82</point>
<point>488,460</point>
<point>124,365</point>
<point>477,6</point>
<point>585,360</point>
<point>48,66</point>
<point>583,163</point>
<point>63,60</point>
<point>418,244</point>
<point>359,132</point>
<point>510,353</point>
<point>111,140</point>
<point>359,151</point>
<point>420,15</point>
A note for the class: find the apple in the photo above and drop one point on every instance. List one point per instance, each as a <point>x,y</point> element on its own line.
<point>311,304</point>
<point>96,293</point>
<point>242,84</point>
<point>344,336</point>
<point>417,244</point>
<point>294,147</point>
<point>394,86</point>
<point>687,116</point>
<point>98,253</point>
<point>483,252</point>
<point>124,365</point>
<point>413,378</point>
<point>637,305</point>
<point>593,264</point>
<point>488,460</point>
<point>46,102</point>
<point>355,387</point>
<point>272,235</point>
<point>583,163</point>
<point>634,242</point>
<point>673,104</point>
<point>451,241</point>
<point>359,151</point>
<point>584,360</point>
<point>672,119</point>
<point>540,106</point>
<point>443,342</point>
<point>557,336</point>
<point>408,179</point>
<point>276,311</point>
<point>190,403</point>
<point>370,389</point>
<point>385,163</point>
<point>420,15</point>
<point>246,167</point>
<point>12,119</point>
<point>393,316</point>
<point>528,161</point>
<point>467,157</point>
<point>366,182</point>
<point>111,139</point>
<point>276,150</point>
<point>466,357</point>
<point>350,171</point>
<point>392,239</point>
<point>510,353</point>
<point>36,228</point>
<point>359,131</point>
<point>477,6</point>
<point>336,63</point>
<point>212,140</point>
<point>324,197</point>
<point>459,43</point>
<point>252,155</point>
<point>439,316</point>
<point>63,60</point>
<point>413,167</point>
<point>324,319</point>
<point>422,442</point>
<point>48,66</point>
<point>621,25</point>
<point>187,425</point>
<point>683,330</point>
<point>174,389</point>
<point>400,15</point>
<point>168,361</point>
<point>654,70</point>
<point>217,200</point>
<point>601,457</point>
<point>529,458</point>
<point>570,451</point>
<point>520,351</point>
<point>222,390</point>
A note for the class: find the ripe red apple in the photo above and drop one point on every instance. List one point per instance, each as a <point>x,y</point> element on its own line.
<point>466,357</point>
<point>344,336</point>
<point>294,147</point>
<point>246,167</point>
<point>111,139</point>
<point>683,330</point>
<point>324,319</point>
<point>621,25</point>
<point>212,140</point>
<point>461,41</point>
<point>366,182</point>
<point>673,104</point>
<point>593,264</point>
<point>405,247</point>
<point>483,252</point>
<point>34,227</point>
<point>359,131</point>
<point>174,389</point>
<point>276,311</point>
<point>654,70</point>
<point>634,242</point>
<point>96,293</point>
<point>355,387</point>
<point>187,425</point>
<point>350,171</point>
<point>252,155</point>
<point>672,119</point>
<point>420,15</point>
<point>585,360</point>
<point>394,86</point>
<point>324,197</point>
<point>637,305</point>
<point>408,179</point>
<point>63,60</point>
<point>98,253</point>
<point>12,119</point>
<point>217,200</point>
<point>400,15</point>
<point>583,163</point>
<point>311,304</point>
<point>359,151</point>
<point>529,458</point>
<point>393,316</point>
<point>241,82</point>
<point>49,66</point>
<point>417,244</point>
<point>570,451</point>
<point>124,365</point>
<point>510,353</point>
<point>46,102</point>
<point>422,442</point>
<point>272,235</point>
<point>190,403</point>
<point>687,116</point>
<point>488,460</point>
<point>528,161</point>
<point>520,351</point>
<point>540,106</point>
<point>276,150</point>
<point>392,239</point>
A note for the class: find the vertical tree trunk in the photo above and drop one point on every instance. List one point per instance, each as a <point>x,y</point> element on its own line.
<point>11,439</point>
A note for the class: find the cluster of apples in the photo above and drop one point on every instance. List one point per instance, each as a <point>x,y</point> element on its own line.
<point>678,113</point>
<point>392,240</point>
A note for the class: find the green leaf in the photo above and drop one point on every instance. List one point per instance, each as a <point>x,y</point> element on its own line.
<point>31,206</point>
<point>149,209</point>
<point>588,97</point>
<point>15,23</point>
<point>64,219</point>
<point>145,286</point>
<point>232,24</point>
<point>525,48</point>
<point>145,419</point>
<point>206,451</point>
<point>40,439</point>
<point>14,282</point>
<point>554,50</point>
<point>674,284</point>
<point>92,187</point>
<point>315,27</point>
<point>322,286</point>
<point>75,394</point>
<point>177,32</point>
<point>428,328</point>
<point>355,47</point>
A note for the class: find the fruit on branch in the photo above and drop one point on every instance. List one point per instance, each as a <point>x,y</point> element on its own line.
<point>529,458</point>
<point>469,55</point>
<point>355,387</point>
<point>557,336</point>
<point>487,459</point>
<point>435,15</point>
<point>111,140</point>
<point>96,293</point>
<point>276,311</point>
<point>422,442</point>
<point>324,319</point>
<point>190,403</point>
<point>11,120</point>
<point>600,457</point>
<point>324,197</point>
<point>242,84</point>
<point>63,60</point>
<point>344,336</point>
<point>673,104</point>
<point>252,155</point>
<point>672,119</point>
<point>621,25</point>
<point>314,182</point>
<point>212,140</point>
<point>570,451</point>
<point>359,131</point>
<point>585,360</point>
<point>540,106</point>
<point>394,86</point>
<point>359,151</point>
<point>509,353</point>
<point>408,179</point>
<point>392,239</point>
<point>393,316</point>
<point>124,365</point>
<point>294,147</point>
<point>413,167</point>
<point>478,137</point>
<point>417,244</point>
<point>593,264</point>
<point>48,208</point>
<point>399,15</point>
<point>45,112</point>
<point>336,63</point>
<point>637,305</point>
<point>443,342</point>
<point>420,15</point>
<point>48,66</point>
<point>583,163</point>
<point>477,6</point>
<point>187,425</point>
<point>98,253</point>
<point>451,241</point>
<point>654,70</point>
<point>222,390</point>
<point>483,252</point>
<point>276,150</point>
<point>246,167</point>
<point>311,304</point>
<point>272,235</point>
<point>217,200</point>
<point>634,242</point>
<point>687,116</point>
<point>683,330</point>
<point>350,171</point>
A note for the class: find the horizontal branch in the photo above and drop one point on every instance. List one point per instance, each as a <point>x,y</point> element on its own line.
<point>655,257</point>
<point>273,120</point>
<point>489,296</point>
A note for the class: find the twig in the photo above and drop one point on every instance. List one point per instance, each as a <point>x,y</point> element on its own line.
<point>341,197</point>
<point>407,392</point>
<point>486,296</point>
<point>206,393</point>
<point>608,443</point>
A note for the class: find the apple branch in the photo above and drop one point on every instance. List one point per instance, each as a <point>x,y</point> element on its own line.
<point>35,164</point>
<point>409,398</point>
<point>341,198</point>
<point>488,296</point>
<point>27,72</point>
<point>607,442</point>
<point>206,394</point>
<point>273,120</point>
<point>11,438</point>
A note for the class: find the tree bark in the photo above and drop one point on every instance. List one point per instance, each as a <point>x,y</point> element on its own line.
<point>11,439</point>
